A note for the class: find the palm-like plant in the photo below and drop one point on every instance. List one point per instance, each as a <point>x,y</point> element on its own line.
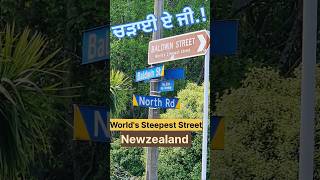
<point>25,77</point>
<point>120,87</point>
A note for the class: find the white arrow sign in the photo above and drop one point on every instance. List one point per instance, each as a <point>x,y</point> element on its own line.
<point>203,43</point>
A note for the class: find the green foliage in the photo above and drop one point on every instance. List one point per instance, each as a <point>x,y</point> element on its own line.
<point>184,163</point>
<point>191,99</point>
<point>181,163</point>
<point>269,35</point>
<point>27,76</point>
<point>262,120</point>
<point>120,87</point>
<point>125,162</point>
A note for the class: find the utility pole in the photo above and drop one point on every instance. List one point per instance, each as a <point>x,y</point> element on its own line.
<point>309,48</point>
<point>152,152</point>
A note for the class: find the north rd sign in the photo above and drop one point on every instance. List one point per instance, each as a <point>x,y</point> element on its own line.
<point>178,47</point>
<point>155,102</point>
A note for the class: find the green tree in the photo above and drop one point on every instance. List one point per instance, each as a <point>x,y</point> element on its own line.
<point>184,163</point>
<point>27,78</point>
<point>191,100</point>
<point>126,162</point>
<point>262,120</point>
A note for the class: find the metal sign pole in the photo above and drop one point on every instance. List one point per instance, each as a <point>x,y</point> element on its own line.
<point>309,48</point>
<point>152,152</point>
<point>205,116</point>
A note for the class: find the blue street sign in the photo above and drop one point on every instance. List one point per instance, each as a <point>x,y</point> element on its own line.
<point>225,37</point>
<point>177,73</point>
<point>90,123</point>
<point>166,86</point>
<point>150,73</point>
<point>155,102</point>
<point>95,45</point>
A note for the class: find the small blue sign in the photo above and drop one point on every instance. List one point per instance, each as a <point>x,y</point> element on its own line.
<point>95,45</point>
<point>166,86</point>
<point>91,123</point>
<point>150,73</point>
<point>225,37</point>
<point>175,74</point>
<point>155,102</point>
